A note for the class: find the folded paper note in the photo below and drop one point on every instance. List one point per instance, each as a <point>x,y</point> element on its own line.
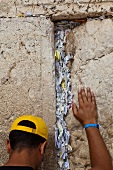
<point>63,94</point>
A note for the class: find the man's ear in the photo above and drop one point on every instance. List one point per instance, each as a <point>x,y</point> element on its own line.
<point>42,147</point>
<point>8,146</point>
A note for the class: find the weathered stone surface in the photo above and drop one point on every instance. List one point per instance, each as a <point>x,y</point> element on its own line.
<point>27,80</point>
<point>62,9</point>
<point>27,75</point>
<point>92,67</point>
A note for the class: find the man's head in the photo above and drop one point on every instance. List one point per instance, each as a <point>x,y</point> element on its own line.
<point>28,133</point>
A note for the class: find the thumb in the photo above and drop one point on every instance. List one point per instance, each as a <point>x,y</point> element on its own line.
<point>74,109</point>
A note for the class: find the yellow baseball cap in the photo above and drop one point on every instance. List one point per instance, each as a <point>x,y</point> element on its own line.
<point>41,128</point>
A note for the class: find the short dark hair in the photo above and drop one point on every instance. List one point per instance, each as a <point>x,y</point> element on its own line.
<point>20,140</point>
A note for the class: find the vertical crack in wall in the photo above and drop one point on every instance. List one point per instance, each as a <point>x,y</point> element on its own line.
<point>63,63</point>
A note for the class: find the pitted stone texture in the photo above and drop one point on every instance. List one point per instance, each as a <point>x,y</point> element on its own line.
<point>92,67</point>
<point>27,80</point>
<point>7,8</point>
<point>57,10</point>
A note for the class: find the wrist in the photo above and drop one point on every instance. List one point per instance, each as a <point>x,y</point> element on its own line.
<point>89,122</point>
<point>91,126</point>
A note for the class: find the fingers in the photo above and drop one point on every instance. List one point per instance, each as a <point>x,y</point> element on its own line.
<point>84,97</point>
<point>87,110</point>
<point>83,94</point>
<point>93,98</point>
<point>80,100</point>
<point>74,109</point>
<point>89,96</point>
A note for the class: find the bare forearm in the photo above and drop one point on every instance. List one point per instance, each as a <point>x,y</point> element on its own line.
<point>87,114</point>
<point>100,157</point>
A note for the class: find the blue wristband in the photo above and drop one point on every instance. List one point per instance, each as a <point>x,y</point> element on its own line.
<point>91,125</point>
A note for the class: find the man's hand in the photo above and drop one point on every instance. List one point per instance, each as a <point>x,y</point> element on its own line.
<point>86,113</point>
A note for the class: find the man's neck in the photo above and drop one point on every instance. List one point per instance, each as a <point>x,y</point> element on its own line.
<point>22,158</point>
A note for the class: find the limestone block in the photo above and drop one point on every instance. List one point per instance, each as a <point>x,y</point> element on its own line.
<point>98,47</point>
<point>3,154</point>
<point>27,79</point>
<point>27,2</point>
<point>45,1</point>
<point>57,10</point>
<point>68,1</point>
<point>18,2</point>
<point>81,1</point>
<point>35,2</point>
<point>92,67</point>
<point>7,8</point>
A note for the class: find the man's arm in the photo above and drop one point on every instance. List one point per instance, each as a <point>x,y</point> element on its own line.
<point>86,113</point>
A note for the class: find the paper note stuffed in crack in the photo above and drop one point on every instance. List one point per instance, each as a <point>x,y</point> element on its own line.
<point>63,95</point>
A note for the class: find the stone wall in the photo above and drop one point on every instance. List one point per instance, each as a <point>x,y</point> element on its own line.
<point>56,9</point>
<point>27,79</point>
<point>92,67</point>
<point>27,76</point>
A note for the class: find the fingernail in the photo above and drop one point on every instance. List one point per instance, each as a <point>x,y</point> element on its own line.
<point>88,88</point>
<point>82,88</point>
<point>92,93</point>
<point>79,90</point>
